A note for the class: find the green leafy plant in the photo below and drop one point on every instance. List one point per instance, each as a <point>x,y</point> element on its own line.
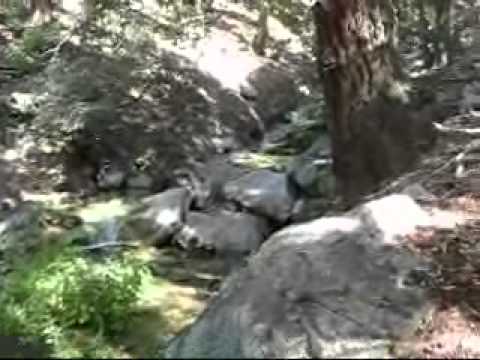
<point>25,53</point>
<point>19,59</point>
<point>56,293</point>
<point>16,13</point>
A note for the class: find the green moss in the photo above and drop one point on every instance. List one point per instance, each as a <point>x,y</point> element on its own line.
<point>262,161</point>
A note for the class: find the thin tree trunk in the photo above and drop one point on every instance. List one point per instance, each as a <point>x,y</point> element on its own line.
<point>88,10</point>
<point>375,133</point>
<point>260,39</point>
<point>443,24</point>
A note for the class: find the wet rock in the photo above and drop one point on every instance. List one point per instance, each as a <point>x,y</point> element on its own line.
<point>160,216</point>
<point>333,287</point>
<point>263,192</point>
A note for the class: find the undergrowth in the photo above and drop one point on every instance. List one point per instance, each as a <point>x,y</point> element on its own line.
<point>28,52</point>
<point>72,302</point>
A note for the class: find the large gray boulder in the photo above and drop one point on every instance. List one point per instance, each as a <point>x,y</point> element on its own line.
<point>264,192</point>
<point>208,181</point>
<point>273,91</point>
<point>224,232</point>
<point>87,121</point>
<point>159,217</point>
<point>334,287</point>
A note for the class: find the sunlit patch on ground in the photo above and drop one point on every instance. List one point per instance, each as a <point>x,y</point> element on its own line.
<point>104,210</point>
<point>170,301</point>
<point>450,335</point>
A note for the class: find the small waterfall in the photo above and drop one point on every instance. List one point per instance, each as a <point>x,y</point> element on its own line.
<point>107,239</point>
<point>109,233</point>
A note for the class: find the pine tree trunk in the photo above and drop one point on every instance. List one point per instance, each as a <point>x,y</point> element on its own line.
<point>260,39</point>
<point>375,133</point>
<point>88,10</point>
<point>42,11</point>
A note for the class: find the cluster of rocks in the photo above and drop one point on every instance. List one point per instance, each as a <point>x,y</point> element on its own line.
<point>230,216</point>
<point>335,287</point>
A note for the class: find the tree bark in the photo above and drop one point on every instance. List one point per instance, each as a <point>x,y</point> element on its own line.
<point>260,39</point>
<point>376,134</point>
<point>42,11</point>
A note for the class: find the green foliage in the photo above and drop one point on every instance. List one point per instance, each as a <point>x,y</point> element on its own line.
<point>36,40</point>
<point>60,291</point>
<point>25,54</point>
<point>293,14</point>
<point>16,13</point>
<point>19,59</point>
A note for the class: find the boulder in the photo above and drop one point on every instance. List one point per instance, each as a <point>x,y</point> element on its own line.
<point>159,216</point>
<point>312,170</point>
<point>263,192</point>
<point>10,192</point>
<point>310,208</point>
<point>110,177</point>
<point>273,92</point>
<point>140,181</point>
<point>20,231</point>
<point>89,122</point>
<point>209,181</point>
<point>331,288</point>
<point>224,232</point>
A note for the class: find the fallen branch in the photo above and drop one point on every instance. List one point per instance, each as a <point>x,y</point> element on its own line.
<point>56,49</point>
<point>458,159</point>
<point>110,244</point>
<point>449,130</point>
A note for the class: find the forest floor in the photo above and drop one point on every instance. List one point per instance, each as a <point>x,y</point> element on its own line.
<point>452,180</point>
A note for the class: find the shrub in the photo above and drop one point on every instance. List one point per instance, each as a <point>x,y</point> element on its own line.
<point>25,53</point>
<point>56,292</point>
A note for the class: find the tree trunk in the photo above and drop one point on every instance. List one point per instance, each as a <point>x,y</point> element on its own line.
<point>88,10</point>
<point>42,11</point>
<point>376,133</point>
<point>443,25</point>
<point>260,39</point>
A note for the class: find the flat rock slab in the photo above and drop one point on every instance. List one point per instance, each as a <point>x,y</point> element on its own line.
<point>331,288</point>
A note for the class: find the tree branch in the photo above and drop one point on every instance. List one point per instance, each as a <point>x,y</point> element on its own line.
<point>110,244</point>
<point>462,131</point>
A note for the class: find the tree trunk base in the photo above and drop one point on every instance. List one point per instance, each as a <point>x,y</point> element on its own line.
<point>386,139</point>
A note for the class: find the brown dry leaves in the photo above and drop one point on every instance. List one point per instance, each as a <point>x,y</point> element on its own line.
<point>454,329</point>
